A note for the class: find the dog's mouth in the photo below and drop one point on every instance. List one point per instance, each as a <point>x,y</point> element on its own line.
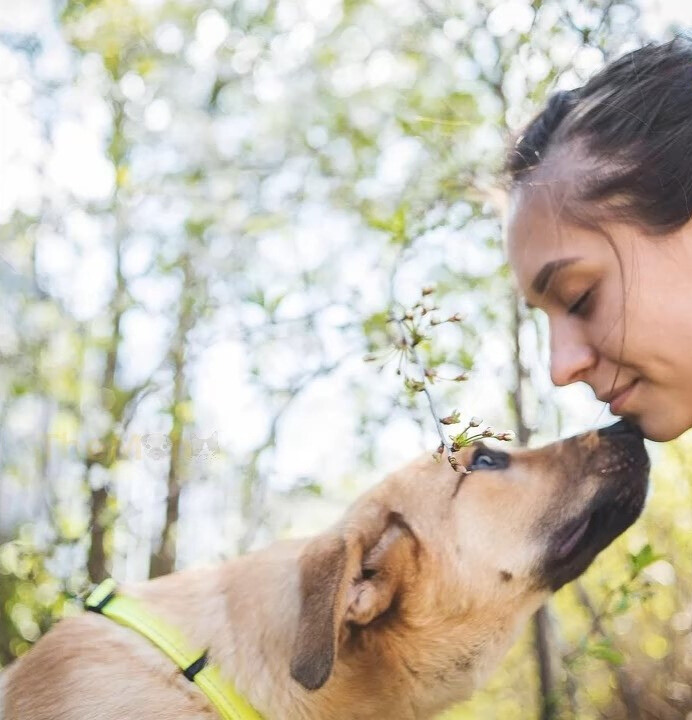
<point>592,531</point>
<point>576,544</point>
<point>620,468</point>
<point>573,535</point>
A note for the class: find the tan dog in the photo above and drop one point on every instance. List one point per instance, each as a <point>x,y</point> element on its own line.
<point>400,611</point>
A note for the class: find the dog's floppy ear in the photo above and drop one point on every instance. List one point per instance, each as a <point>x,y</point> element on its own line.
<point>351,575</point>
<point>326,569</point>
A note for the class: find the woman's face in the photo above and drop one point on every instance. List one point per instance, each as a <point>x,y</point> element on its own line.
<point>623,326</point>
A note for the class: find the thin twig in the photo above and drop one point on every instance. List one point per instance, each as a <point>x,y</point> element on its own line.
<point>431,403</point>
<point>628,691</point>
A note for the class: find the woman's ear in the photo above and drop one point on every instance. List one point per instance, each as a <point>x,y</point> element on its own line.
<point>349,576</point>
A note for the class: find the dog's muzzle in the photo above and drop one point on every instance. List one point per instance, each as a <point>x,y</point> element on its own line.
<point>620,467</point>
<point>622,427</point>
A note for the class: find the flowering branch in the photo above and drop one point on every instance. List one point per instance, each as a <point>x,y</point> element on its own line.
<point>405,345</point>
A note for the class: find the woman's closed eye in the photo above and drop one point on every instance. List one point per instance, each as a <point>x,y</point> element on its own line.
<point>581,305</point>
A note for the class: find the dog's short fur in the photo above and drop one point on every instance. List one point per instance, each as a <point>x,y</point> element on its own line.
<point>400,610</point>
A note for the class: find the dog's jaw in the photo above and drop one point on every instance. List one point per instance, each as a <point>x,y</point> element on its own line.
<point>413,672</point>
<point>624,481</point>
<point>420,670</point>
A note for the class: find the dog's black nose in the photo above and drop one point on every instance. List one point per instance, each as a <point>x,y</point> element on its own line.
<point>621,427</point>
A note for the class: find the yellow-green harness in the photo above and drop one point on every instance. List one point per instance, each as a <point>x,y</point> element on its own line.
<point>193,663</point>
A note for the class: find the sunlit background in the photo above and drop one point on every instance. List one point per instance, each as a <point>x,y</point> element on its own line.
<point>207,212</point>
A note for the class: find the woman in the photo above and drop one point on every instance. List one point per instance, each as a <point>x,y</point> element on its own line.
<point>600,236</point>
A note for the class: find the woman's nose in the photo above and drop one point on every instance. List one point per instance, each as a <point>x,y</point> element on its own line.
<point>571,356</point>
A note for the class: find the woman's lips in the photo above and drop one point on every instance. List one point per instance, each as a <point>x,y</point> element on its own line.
<point>618,400</point>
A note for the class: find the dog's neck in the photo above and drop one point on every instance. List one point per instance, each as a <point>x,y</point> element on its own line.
<point>255,605</point>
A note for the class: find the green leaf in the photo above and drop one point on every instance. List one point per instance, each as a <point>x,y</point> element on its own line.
<point>645,557</point>
<point>623,604</point>
<point>396,224</point>
<point>605,651</point>
<point>376,323</point>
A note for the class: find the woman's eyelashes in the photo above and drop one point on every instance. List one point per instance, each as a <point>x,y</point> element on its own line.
<point>582,304</point>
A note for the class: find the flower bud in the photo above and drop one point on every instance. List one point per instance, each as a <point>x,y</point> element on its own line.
<point>414,385</point>
<point>438,453</point>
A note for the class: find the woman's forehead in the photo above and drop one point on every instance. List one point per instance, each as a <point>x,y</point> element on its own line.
<point>548,199</point>
<point>536,207</point>
<point>534,225</point>
<point>540,234</point>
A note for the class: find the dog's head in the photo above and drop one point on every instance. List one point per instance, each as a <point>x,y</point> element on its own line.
<point>438,569</point>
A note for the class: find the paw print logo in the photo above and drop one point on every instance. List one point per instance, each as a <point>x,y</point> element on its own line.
<point>156,445</point>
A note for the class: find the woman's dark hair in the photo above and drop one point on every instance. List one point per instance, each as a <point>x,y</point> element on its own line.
<point>632,124</point>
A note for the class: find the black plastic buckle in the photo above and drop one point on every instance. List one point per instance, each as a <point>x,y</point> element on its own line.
<point>99,608</point>
<point>197,665</point>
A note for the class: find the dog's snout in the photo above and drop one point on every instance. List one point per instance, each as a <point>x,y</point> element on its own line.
<point>622,427</point>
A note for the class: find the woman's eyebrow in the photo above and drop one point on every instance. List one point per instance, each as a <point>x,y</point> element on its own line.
<point>544,275</point>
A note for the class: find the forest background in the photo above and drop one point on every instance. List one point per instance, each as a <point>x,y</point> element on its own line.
<point>209,210</point>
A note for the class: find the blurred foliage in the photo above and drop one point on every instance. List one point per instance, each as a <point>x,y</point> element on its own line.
<point>214,207</point>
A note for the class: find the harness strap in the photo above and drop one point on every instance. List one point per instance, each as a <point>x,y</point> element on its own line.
<point>194,664</point>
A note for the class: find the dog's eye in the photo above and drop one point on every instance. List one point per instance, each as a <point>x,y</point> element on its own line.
<point>485,460</point>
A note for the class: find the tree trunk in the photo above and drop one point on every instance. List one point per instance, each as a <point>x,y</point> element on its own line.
<point>96,560</point>
<point>546,656</point>
<point>107,448</point>
<point>544,643</point>
<point>162,560</point>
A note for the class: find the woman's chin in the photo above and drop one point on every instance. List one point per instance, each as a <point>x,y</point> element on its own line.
<point>662,427</point>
